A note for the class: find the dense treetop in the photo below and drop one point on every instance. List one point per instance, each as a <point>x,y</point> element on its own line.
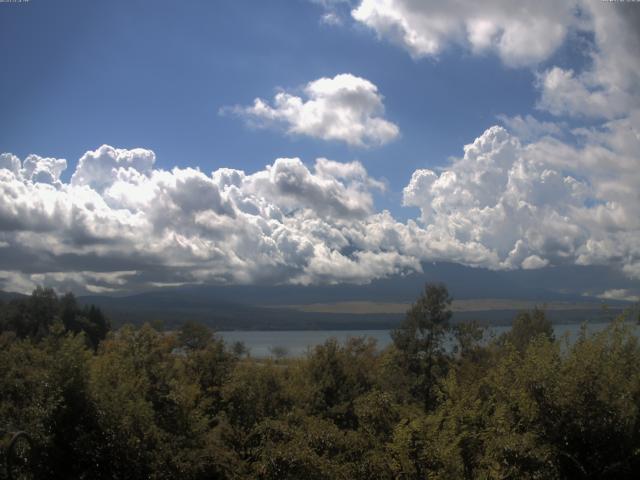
<point>137,403</point>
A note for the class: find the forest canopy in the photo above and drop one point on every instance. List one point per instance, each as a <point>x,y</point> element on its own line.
<point>138,403</point>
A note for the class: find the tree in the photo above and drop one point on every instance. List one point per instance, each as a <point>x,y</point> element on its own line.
<point>34,316</point>
<point>41,309</point>
<point>527,326</point>
<point>469,337</point>
<point>96,325</point>
<point>195,336</point>
<point>420,338</point>
<point>336,376</point>
<point>88,319</point>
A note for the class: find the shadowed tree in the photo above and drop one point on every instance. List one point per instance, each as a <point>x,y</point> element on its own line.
<point>34,316</point>
<point>195,336</point>
<point>88,319</point>
<point>527,326</point>
<point>420,338</point>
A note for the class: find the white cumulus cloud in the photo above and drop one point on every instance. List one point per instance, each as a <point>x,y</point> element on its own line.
<point>609,87</point>
<point>619,294</point>
<point>521,33</point>
<point>532,195</point>
<point>344,108</point>
<point>537,204</point>
<point>120,222</point>
<point>529,128</point>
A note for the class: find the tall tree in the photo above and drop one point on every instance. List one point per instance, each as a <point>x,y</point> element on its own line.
<point>420,339</point>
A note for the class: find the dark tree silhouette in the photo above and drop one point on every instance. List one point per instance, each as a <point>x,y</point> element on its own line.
<point>420,337</point>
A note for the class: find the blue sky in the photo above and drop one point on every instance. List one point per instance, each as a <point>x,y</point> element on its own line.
<point>131,74</point>
<point>389,91</point>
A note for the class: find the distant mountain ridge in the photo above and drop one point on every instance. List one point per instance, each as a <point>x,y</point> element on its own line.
<point>6,296</point>
<point>291,307</point>
<point>269,306</point>
<point>567,284</point>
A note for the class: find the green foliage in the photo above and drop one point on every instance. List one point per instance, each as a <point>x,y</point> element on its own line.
<point>526,327</point>
<point>195,336</point>
<point>336,375</point>
<point>298,446</point>
<point>43,391</point>
<point>152,416</point>
<point>420,338</point>
<point>152,405</point>
<point>34,316</point>
<point>469,338</point>
<point>31,317</point>
<point>254,392</point>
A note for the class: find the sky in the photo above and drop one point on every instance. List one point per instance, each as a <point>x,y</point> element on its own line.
<point>163,143</point>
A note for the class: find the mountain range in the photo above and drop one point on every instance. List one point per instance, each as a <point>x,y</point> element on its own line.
<point>568,293</point>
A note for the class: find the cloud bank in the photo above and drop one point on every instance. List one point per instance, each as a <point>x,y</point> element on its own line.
<point>122,223</point>
<point>119,222</point>
<point>344,108</point>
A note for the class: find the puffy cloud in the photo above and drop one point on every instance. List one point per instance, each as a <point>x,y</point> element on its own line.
<point>607,89</point>
<point>295,187</point>
<point>563,93</point>
<point>546,193</point>
<point>619,294</point>
<point>345,108</point>
<point>34,168</point>
<point>632,269</point>
<point>520,33</point>
<point>533,262</point>
<point>528,128</point>
<point>121,223</point>
<point>504,204</point>
<point>535,194</point>
<point>43,170</point>
<point>98,169</point>
<point>610,86</point>
<point>536,204</point>
<point>10,162</point>
<point>93,282</point>
<point>334,10</point>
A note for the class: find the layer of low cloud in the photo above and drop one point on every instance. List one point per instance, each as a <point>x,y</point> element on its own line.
<point>619,294</point>
<point>121,223</point>
<point>345,108</point>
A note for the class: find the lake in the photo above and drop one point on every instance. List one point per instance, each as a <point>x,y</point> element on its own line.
<point>297,342</point>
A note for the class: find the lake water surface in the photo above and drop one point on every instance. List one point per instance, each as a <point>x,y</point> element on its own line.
<point>297,342</point>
